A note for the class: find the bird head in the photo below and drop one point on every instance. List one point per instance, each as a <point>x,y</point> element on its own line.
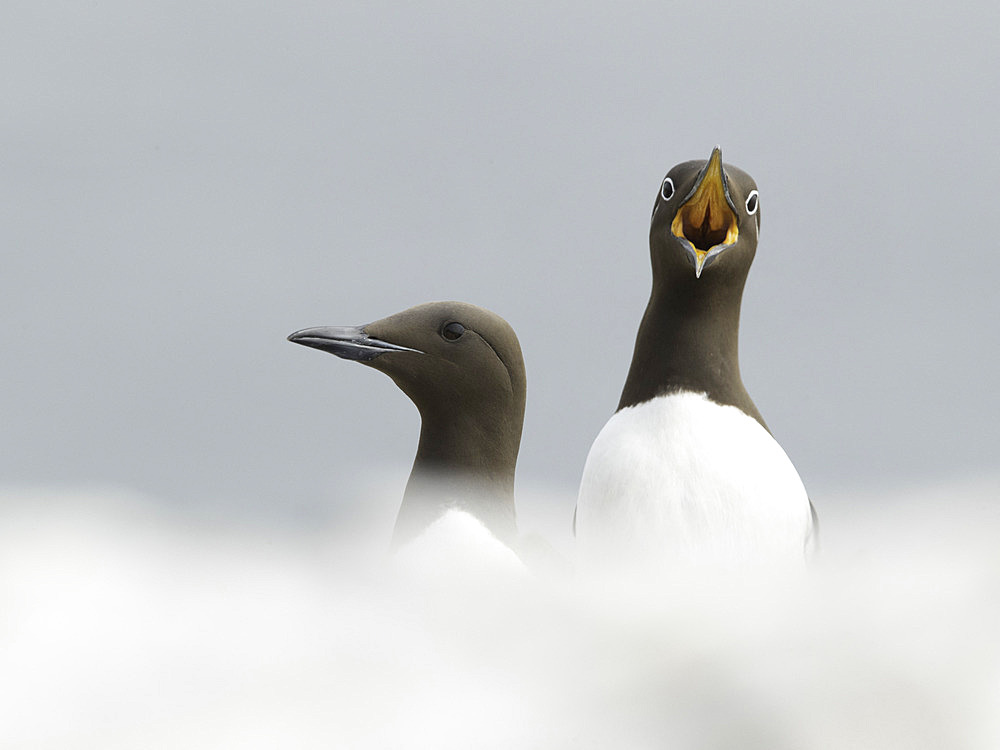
<point>706,218</point>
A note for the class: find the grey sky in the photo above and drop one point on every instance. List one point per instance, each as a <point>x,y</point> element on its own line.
<point>184,184</point>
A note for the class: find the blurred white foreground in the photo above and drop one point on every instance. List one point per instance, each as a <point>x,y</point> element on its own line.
<point>124,628</point>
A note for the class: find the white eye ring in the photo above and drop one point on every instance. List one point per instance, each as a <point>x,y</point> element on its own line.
<point>667,189</point>
<point>752,202</point>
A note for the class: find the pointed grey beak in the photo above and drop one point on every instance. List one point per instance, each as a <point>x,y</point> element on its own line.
<point>714,167</point>
<point>706,224</point>
<point>347,342</point>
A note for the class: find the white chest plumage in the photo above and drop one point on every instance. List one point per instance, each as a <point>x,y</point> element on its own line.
<point>457,546</point>
<point>682,479</point>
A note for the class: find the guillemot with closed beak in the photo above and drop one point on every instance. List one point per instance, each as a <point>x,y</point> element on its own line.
<point>462,367</point>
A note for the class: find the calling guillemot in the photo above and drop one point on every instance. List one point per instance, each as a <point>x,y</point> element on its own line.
<point>687,470</point>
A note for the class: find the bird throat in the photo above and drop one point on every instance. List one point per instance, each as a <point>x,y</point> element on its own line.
<point>464,469</point>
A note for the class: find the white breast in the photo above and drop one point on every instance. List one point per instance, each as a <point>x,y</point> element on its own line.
<point>458,547</point>
<point>682,479</point>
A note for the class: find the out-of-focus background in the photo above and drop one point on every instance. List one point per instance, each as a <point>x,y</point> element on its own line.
<point>183,184</point>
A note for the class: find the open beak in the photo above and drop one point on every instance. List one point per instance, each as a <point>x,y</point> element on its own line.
<point>706,222</point>
<point>348,342</point>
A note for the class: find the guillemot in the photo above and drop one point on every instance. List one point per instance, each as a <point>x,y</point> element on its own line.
<point>462,367</point>
<point>687,470</point>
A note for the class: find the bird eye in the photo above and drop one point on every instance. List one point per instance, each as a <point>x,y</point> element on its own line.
<point>752,202</point>
<point>453,331</point>
<point>667,189</point>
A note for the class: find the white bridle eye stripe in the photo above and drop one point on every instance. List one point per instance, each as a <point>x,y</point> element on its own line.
<point>667,189</point>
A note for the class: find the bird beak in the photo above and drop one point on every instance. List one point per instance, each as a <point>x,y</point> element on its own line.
<point>706,222</point>
<point>347,342</point>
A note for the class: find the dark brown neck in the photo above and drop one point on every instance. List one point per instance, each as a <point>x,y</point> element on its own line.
<point>462,464</point>
<point>689,341</point>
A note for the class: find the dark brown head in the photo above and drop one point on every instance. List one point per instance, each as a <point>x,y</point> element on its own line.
<point>705,221</point>
<point>460,364</point>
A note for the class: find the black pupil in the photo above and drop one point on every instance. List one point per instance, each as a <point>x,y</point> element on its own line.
<point>452,331</point>
<point>667,191</point>
<point>752,203</point>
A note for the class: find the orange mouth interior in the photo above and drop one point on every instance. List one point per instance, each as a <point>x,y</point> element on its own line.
<point>706,220</point>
